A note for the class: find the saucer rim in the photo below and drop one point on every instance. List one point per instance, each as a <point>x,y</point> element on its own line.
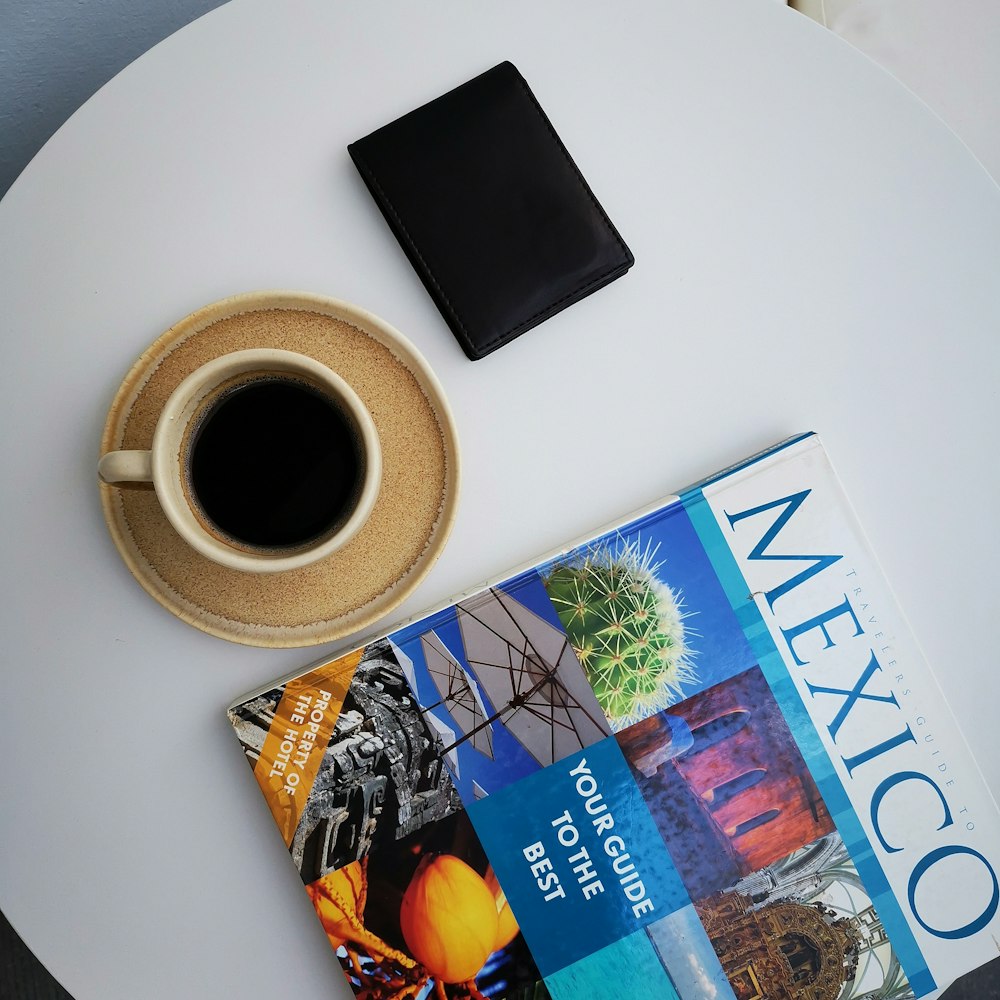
<point>323,630</point>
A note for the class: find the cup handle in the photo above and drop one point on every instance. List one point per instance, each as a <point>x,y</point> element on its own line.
<point>126,467</point>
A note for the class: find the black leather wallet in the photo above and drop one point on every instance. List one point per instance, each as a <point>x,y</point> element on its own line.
<point>492,212</point>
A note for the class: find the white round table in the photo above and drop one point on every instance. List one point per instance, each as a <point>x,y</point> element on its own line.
<point>814,250</point>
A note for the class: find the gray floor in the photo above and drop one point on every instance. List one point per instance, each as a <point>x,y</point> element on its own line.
<point>53,56</point>
<point>22,977</point>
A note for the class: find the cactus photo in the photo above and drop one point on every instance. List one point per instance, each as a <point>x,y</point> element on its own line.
<point>627,628</point>
<point>646,616</point>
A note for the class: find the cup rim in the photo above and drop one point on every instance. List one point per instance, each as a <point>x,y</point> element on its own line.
<point>166,460</point>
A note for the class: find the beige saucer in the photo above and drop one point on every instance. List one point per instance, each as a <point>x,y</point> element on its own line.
<point>378,569</point>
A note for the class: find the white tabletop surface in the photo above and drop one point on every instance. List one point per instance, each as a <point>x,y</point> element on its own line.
<point>948,54</point>
<point>814,250</point>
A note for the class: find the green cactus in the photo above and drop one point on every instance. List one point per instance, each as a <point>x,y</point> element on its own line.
<point>626,626</point>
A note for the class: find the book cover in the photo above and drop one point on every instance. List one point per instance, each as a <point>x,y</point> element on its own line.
<point>697,756</point>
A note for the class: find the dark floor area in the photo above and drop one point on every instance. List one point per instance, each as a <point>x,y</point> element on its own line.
<point>23,977</point>
<point>983,984</point>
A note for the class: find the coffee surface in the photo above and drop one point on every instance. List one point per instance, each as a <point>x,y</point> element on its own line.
<point>274,463</point>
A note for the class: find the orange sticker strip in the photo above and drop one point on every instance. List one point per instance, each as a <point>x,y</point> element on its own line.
<point>298,737</point>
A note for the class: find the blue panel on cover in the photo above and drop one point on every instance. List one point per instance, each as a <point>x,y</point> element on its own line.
<point>599,976</point>
<point>555,841</point>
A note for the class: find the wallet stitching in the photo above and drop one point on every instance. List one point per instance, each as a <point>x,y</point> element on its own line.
<point>553,305</point>
<point>518,327</point>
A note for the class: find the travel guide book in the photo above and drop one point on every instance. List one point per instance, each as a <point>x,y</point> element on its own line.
<point>697,756</point>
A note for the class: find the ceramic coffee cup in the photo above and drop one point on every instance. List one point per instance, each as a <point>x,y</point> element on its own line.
<point>262,460</point>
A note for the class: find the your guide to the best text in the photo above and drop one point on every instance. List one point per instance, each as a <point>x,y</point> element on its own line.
<point>590,873</point>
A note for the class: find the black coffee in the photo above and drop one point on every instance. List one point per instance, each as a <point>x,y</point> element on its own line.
<point>275,464</point>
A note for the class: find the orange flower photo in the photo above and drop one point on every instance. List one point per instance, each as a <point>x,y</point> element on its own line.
<point>426,917</point>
